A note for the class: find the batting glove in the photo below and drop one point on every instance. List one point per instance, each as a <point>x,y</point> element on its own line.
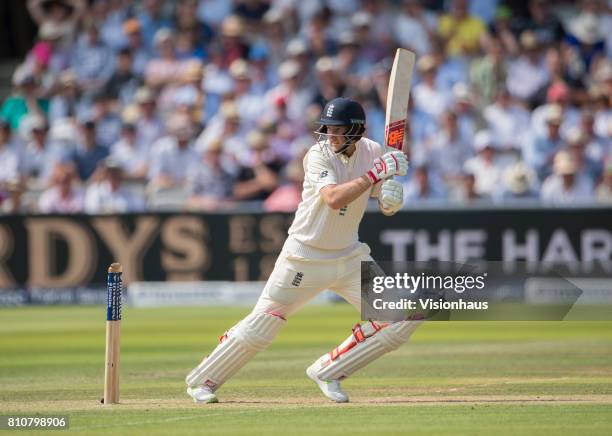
<point>390,164</point>
<point>391,196</point>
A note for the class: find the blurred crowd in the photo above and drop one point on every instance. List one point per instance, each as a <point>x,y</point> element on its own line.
<point>211,104</point>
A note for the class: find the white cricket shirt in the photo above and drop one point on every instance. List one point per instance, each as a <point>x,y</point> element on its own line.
<point>318,231</point>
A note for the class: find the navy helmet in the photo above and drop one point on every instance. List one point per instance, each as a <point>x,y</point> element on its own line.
<point>344,112</point>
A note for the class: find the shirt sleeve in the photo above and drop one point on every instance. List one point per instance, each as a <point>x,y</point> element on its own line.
<point>318,170</point>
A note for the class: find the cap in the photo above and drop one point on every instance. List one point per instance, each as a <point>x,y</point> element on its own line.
<point>144,95</point>
<point>288,70</point>
<point>232,26</point>
<point>297,47</point>
<point>239,69</point>
<point>482,140</point>
<point>518,178</point>
<point>554,114</point>
<point>426,63</point>
<point>257,140</point>
<point>361,19</point>
<point>528,40</point>
<point>564,163</point>
<point>162,35</point>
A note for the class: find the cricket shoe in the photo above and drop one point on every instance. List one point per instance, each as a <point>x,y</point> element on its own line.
<point>202,395</point>
<point>330,388</point>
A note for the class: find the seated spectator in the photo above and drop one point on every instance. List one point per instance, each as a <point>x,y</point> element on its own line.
<point>248,102</point>
<point>598,147</point>
<point>543,22</point>
<point>538,150</point>
<point>449,150</point>
<point>68,101</point>
<point>172,155</point>
<point>149,125</point>
<point>108,123</point>
<point>136,46</point>
<point>11,198</point>
<point>40,154</point>
<point>9,156</point>
<point>210,180</point>
<point>518,183</point>
<point>227,125</point>
<point>260,178</point>
<point>92,61</point>
<point>427,96</point>
<point>484,165</point>
<point>489,73</point>
<point>109,195</point>
<point>557,95</point>
<point>129,154</point>
<point>423,186</point>
<point>603,193</point>
<point>288,196</point>
<point>460,30</point>
<point>508,122</point>
<point>88,152</point>
<point>166,68</point>
<point>527,73</point>
<point>24,100</point>
<point>466,193</point>
<point>63,196</point>
<point>413,26</point>
<point>577,147</point>
<point>124,82</point>
<point>585,40</point>
<point>566,185</point>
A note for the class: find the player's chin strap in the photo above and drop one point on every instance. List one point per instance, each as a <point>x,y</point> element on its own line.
<point>353,135</point>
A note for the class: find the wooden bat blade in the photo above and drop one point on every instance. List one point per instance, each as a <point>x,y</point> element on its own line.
<point>398,94</point>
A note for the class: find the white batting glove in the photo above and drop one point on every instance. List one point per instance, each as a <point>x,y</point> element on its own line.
<point>389,164</point>
<point>391,196</point>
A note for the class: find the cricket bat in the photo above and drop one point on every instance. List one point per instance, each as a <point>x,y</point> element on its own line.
<point>398,94</point>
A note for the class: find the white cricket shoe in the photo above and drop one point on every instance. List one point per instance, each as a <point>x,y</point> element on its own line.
<point>330,388</point>
<point>202,395</point>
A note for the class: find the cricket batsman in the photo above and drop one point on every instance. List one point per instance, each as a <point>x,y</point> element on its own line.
<point>321,252</point>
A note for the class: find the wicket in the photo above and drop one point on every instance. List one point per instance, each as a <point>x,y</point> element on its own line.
<point>113,334</point>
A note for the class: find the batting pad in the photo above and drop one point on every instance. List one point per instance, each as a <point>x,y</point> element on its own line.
<point>368,342</point>
<point>251,335</point>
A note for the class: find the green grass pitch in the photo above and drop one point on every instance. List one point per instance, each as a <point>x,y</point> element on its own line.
<point>451,378</point>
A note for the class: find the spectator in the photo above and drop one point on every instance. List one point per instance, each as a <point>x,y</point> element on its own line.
<point>484,166</point>
<point>25,99</point>
<point>259,179</point>
<point>413,27</point>
<point>421,187</point>
<point>58,17</point>
<point>68,101</point>
<point>603,193</point>
<point>544,25</point>
<point>11,200</point>
<point>566,185</point>
<point>227,125</point>
<point>172,155</point>
<point>287,197</point>
<point>109,195</point>
<point>88,152</point>
<point>427,96</point>
<point>9,157</point>
<point>449,149</point>
<point>527,74</point>
<point>149,126</point>
<point>488,74</point>
<point>248,102</point>
<point>467,189</point>
<point>152,20</point>
<point>92,60</point>
<point>135,44</point>
<point>507,121</point>
<point>233,40</point>
<point>39,155</point>
<point>108,123</point>
<point>585,41</point>
<point>577,147</point>
<point>538,150</point>
<point>62,196</point>
<point>132,156</point>
<point>460,31</point>
<point>123,84</point>
<point>518,183</point>
<point>210,180</point>
<point>166,68</point>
